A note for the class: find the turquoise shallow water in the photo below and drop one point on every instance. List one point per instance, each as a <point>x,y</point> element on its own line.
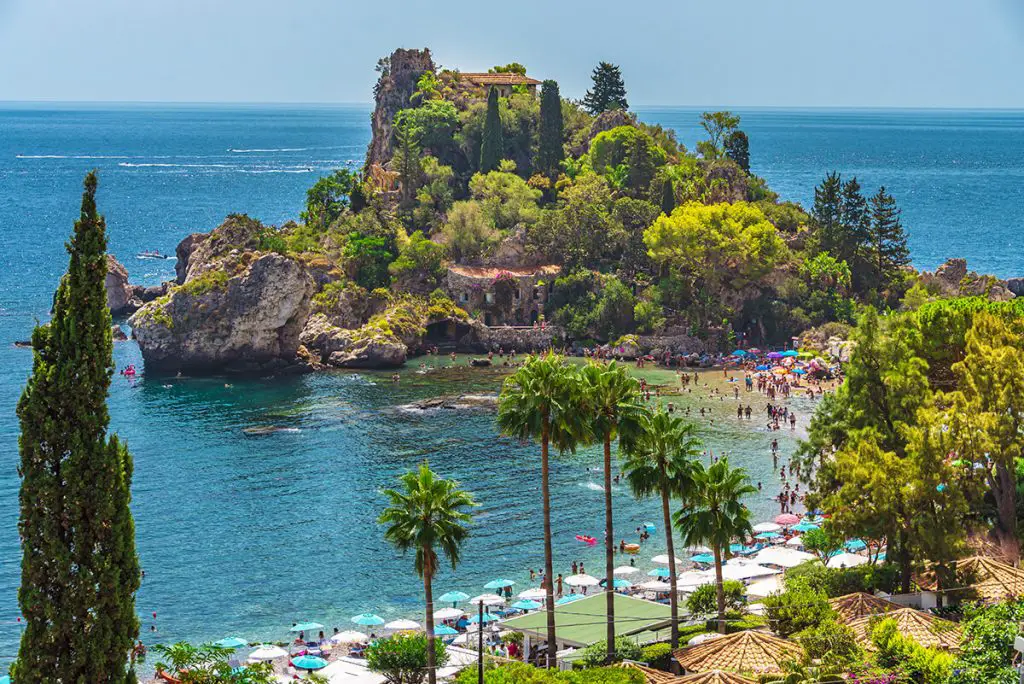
<point>245,535</point>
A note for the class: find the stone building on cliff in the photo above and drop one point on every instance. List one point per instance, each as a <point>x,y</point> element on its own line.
<point>502,296</point>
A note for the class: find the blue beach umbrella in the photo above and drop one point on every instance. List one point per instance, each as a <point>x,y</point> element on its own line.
<point>231,642</point>
<point>702,558</point>
<point>306,627</point>
<point>487,618</point>
<point>805,526</point>
<point>368,619</point>
<point>453,597</point>
<point>763,367</point>
<point>660,572</point>
<point>799,371</point>
<point>791,352</point>
<point>619,583</point>
<point>569,598</point>
<point>444,630</point>
<point>498,584</point>
<point>649,526</point>
<point>308,662</point>
<point>739,352</point>
<point>767,535</point>
<point>5,679</point>
<point>855,545</point>
<point>526,605</point>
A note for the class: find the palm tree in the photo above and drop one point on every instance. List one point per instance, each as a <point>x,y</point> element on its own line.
<point>541,401</point>
<point>713,514</point>
<point>660,462</point>
<point>429,512</point>
<point>611,407</point>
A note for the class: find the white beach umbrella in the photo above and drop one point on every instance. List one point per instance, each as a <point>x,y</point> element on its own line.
<point>767,527</point>
<point>695,550</point>
<point>846,560</point>
<point>624,570</point>
<point>655,585</point>
<point>701,638</point>
<point>268,652</point>
<point>782,556</point>
<point>691,579</point>
<point>764,587</point>
<point>448,614</point>
<point>402,625</point>
<point>663,560</point>
<point>487,600</point>
<point>581,581</point>
<point>349,636</point>
<point>535,594</point>
<point>795,541</point>
<point>742,572</point>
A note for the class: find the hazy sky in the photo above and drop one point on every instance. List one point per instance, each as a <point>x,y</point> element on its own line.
<point>909,53</point>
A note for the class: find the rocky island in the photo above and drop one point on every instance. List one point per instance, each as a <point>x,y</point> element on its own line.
<point>491,213</point>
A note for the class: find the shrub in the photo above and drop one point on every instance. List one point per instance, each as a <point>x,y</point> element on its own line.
<point>521,673</point>
<point>402,659</point>
<point>597,653</point>
<point>914,662</point>
<point>831,641</point>
<point>703,600</point>
<point>207,282</point>
<point>798,608</point>
<point>658,656</point>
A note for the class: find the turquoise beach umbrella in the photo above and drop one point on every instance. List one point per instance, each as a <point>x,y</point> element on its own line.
<point>498,584</point>
<point>444,630</point>
<point>856,545</point>
<point>308,662</point>
<point>767,535</point>
<point>526,605</point>
<point>660,572</point>
<point>569,598</point>
<point>805,527</point>
<point>791,352</point>
<point>487,618</point>
<point>231,642</point>
<point>453,597</point>
<point>306,627</point>
<point>368,619</point>
<point>619,583</point>
<point>5,680</point>
<point>702,558</point>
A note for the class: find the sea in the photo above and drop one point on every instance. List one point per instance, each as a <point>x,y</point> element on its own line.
<point>244,535</point>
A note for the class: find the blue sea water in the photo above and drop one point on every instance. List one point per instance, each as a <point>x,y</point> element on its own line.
<point>243,535</point>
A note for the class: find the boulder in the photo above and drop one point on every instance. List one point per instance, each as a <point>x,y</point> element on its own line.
<point>119,293</point>
<point>322,337</point>
<point>460,402</point>
<point>372,352</point>
<point>117,332</point>
<point>952,272</point>
<point>1016,286</point>
<point>247,321</point>
<point>184,254</point>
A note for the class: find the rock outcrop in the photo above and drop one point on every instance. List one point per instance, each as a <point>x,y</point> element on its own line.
<point>952,279</point>
<point>184,254</point>
<point>459,402</point>
<point>371,352</point>
<point>120,295</point>
<point>399,74</point>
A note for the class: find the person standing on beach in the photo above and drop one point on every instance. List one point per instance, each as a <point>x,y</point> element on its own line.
<point>558,584</point>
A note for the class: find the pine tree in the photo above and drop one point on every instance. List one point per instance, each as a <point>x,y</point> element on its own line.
<point>888,245</point>
<point>641,166</point>
<point>609,92</point>
<point>853,248</point>
<point>492,145</point>
<point>827,214</point>
<point>79,567</point>
<point>668,197</point>
<point>737,148</point>
<point>550,152</point>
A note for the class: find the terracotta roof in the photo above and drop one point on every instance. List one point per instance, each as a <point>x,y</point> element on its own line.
<point>651,676</point>
<point>714,677</point>
<point>991,579</point>
<point>491,273</point>
<point>858,605</point>
<point>924,628</point>
<point>748,651</point>
<point>499,79</point>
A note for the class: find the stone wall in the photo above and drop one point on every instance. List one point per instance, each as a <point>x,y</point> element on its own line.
<point>501,296</point>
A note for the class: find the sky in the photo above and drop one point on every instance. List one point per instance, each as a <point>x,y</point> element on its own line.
<point>772,53</point>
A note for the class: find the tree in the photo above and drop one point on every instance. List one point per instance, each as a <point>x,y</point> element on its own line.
<point>668,197</point>
<point>506,199</point>
<point>987,651</point>
<point>737,148</point>
<point>855,219</point>
<point>704,599</point>
<point>510,68</point>
<point>540,401</point>
<point>608,91</point>
<point>659,463</point>
<point>492,145</point>
<point>468,232</point>
<point>822,542</point>
<point>610,402</point>
<point>642,165</point>
<point>79,569</point>
<point>328,197</point>
<point>208,664</point>
<point>550,152</point>
<point>598,653</point>
<point>827,214</point>
<point>406,658</point>
<point>420,262</point>
<point>428,512</point>
<point>797,608</point>
<point>714,514</point>
<point>718,126</point>
<point>407,162</point>
<point>831,641</point>
<point>888,242</point>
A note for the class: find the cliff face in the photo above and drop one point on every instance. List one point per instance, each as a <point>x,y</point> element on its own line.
<point>395,86</point>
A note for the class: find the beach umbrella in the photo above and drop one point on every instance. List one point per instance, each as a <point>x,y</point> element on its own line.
<point>487,600</point>
<point>649,526</point>
<point>402,625</point>
<point>6,679</point>
<point>739,352</point>
<point>526,605</point>
<point>452,597</point>
<point>762,367</point>
<point>444,630</point>
<point>448,614</point>
<point>767,527</point>
<point>655,585</point>
<point>487,617</point>
<point>268,652</point>
<point>855,545</point>
<point>703,558</point>
<point>791,353</point>
<point>625,570</point>
<point>349,636</point>
<point>774,355</point>
<point>787,519</point>
<point>368,620</point>
<point>663,560</point>
<point>617,583</point>
<point>799,371</point>
<point>535,594</point>
<point>747,571</point>
<point>846,560</point>
<point>805,526</point>
<point>782,556</point>
<point>231,642</point>
<point>694,578</point>
<point>795,541</point>
<point>499,584</point>
<point>762,588</point>
<point>569,598</point>
<point>660,572</point>
<point>306,627</point>
<point>697,549</point>
<point>767,535</point>
<point>581,581</point>
<point>308,662</point>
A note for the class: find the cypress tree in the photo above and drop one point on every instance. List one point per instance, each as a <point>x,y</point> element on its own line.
<point>641,166</point>
<point>737,148</point>
<point>609,91</point>
<point>79,570</point>
<point>889,250</point>
<point>668,197</point>
<point>549,151</point>
<point>492,145</point>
